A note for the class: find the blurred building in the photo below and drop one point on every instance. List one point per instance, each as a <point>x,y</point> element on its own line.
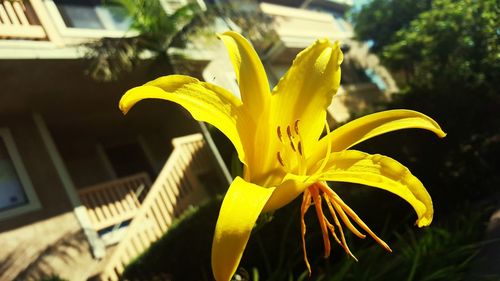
<point>84,189</point>
<point>74,172</point>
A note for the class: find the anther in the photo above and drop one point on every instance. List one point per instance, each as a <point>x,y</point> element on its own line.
<point>299,147</point>
<point>296,126</point>
<point>289,132</point>
<point>280,136</point>
<point>280,159</point>
<point>292,145</point>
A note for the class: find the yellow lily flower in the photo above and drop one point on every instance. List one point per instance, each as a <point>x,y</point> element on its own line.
<point>277,137</point>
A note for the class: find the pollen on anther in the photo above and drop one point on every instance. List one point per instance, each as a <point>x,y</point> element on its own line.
<point>289,132</point>
<point>280,159</point>
<point>299,147</point>
<point>296,126</point>
<point>280,136</point>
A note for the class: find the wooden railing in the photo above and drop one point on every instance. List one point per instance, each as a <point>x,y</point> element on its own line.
<point>116,201</point>
<point>18,20</point>
<point>174,190</point>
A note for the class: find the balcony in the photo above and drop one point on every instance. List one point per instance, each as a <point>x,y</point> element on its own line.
<point>18,20</point>
<point>65,23</point>
<point>298,28</point>
<point>131,212</point>
<point>114,202</point>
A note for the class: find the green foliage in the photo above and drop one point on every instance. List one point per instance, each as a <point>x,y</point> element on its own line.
<point>436,43</point>
<point>379,20</point>
<point>155,26</point>
<point>449,54</point>
<point>183,252</point>
<point>151,32</point>
<point>444,251</point>
<point>453,42</point>
<point>463,166</point>
<point>441,252</point>
<point>111,57</point>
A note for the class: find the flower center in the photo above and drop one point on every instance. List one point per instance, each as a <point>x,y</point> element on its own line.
<point>290,154</point>
<point>315,194</point>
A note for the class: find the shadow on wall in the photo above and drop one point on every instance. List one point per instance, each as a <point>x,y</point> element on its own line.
<point>58,259</point>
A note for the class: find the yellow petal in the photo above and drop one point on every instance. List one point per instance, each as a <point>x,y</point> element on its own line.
<point>239,211</point>
<point>302,94</point>
<point>373,125</point>
<point>251,76</point>
<point>206,102</point>
<point>255,94</point>
<point>306,90</point>
<point>291,187</point>
<point>384,173</point>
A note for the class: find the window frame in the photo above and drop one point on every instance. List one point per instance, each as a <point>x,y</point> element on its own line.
<point>75,32</point>
<point>33,203</point>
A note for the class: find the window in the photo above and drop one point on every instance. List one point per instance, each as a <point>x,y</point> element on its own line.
<point>16,192</point>
<point>127,159</point>
<point>92,14</point>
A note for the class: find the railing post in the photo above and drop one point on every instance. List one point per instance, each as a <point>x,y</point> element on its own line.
<point>162,204</point>
<point>223,170</point>
<point>46,22</point>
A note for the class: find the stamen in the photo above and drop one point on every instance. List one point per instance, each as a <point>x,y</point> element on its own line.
<point>336,199</point>
<point>298,144</point>
<point>278,155</point>
<point>289,133</point>
<point>347,222</point>
<point>328,151</point>
<point>306,203</point>
<point>314,195</point>
<point>332,231</point>
<point>280,136</point>
<point>293,146</point>
<point>290,137</point>
<point>296,126</point>
<point>341,231</point>
<point>321,218</point>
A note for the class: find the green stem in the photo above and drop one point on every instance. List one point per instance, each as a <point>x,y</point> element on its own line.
<point>263,253</point>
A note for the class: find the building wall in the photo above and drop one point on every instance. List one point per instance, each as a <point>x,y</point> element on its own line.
<point>83,162</point>
<point>55,246</point>
<point>49,239</point>
<point>150,126</point>
<point>45,181</point>
<point>46,75</point>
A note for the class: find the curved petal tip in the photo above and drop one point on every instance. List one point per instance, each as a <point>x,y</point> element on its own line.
<point>134,95</point>
<point>424,221</point>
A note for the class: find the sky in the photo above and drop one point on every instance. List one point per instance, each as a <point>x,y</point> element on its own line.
<point>359,3</point>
